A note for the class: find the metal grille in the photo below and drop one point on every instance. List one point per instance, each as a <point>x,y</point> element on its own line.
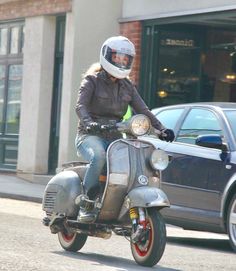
<point>49,201</point>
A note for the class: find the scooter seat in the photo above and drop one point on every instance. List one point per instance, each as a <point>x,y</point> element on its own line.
<point>76,166</point>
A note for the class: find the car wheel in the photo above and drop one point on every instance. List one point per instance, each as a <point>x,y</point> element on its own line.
<point>231,222</point>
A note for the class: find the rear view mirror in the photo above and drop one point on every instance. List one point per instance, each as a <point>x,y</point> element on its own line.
<point>210,141</point>
<point>215,142</point>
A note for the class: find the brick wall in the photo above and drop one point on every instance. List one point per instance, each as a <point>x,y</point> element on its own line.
<point>27,8</point>
<point>133,31</point>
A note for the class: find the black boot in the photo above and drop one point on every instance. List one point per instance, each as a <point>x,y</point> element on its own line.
<point>87,213</point>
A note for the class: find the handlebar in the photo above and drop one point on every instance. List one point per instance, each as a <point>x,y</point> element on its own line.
<point>108,127</point>
<point>138,125</point>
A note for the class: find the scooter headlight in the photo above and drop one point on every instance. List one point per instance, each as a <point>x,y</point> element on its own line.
<point>159,160</point>
<point>140,125</point>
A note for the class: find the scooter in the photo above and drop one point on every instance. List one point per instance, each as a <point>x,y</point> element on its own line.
<point>129,203</point>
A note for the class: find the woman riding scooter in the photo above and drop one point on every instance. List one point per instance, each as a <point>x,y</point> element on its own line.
<point>104,95</point>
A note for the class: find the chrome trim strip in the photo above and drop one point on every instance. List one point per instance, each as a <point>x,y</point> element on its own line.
<point>189,187</point>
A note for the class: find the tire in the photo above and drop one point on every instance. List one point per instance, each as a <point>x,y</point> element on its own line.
<point>72,241</point>
<point>231,222</point>
<point>155,242</point>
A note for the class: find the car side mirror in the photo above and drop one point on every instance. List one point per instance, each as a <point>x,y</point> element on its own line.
<point>215,142</point>
<point>210,141</point>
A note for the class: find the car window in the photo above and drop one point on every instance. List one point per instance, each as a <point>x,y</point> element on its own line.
<point>169,117</point>
<point>231,116</point>
<point>198,122</point>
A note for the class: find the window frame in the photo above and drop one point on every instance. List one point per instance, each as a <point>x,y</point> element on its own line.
<point>222,134</point>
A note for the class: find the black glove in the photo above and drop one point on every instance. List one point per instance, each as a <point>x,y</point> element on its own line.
<point>167,135</point>
<point>93,127</point>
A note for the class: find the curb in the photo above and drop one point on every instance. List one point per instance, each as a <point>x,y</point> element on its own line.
<point>20,197</point>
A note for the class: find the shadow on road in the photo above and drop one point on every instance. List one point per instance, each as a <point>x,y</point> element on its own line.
<point>221,245</point>
<point>117,262</point>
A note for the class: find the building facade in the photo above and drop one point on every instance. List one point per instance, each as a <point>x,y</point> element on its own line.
<point>45,47</point>
<point>188,49</point>
<point>186,52</point>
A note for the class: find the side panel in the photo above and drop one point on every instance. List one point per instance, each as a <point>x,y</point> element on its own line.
<point>60,193</point>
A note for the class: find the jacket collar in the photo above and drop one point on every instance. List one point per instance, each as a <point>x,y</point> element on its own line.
<point>105,76</point>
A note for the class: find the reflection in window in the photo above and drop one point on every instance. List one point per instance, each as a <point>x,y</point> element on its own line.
<point>2,85</point>
<point>10,154</point>
<point>3,41</point>
<point>22,39</point>
<point>169,118</point>
<point>198,122</point>
<point>178,77</point>
<point>60,43</point>
<point>14,99</point>
<point>231,116</point>
<point>14,45</point>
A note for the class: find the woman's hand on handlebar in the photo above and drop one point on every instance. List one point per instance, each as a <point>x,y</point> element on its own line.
<point>167,135</point>
<point>108,127</point>
<point>93,127</point>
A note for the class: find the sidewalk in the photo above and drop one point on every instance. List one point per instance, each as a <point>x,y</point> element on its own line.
<point>14,187</point>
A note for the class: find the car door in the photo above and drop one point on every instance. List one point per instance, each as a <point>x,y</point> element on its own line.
<point>192,179</point>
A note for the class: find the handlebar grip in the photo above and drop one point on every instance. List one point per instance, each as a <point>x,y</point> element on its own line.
<point>108,127</point>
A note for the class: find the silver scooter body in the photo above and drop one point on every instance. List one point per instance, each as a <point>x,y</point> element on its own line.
<point>131,182</point>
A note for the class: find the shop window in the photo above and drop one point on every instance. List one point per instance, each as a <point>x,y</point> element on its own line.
<point>13,99</point>
<point>14,40</point>
<point>3,41</point>
<point>219,67</point>
<point>179,67</point>
<point>11,71</point>
<point>2,87</point>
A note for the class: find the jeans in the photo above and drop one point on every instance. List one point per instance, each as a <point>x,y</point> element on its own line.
<point>92,149</point>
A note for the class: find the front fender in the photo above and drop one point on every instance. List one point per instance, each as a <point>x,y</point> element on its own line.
<point>146,197</point>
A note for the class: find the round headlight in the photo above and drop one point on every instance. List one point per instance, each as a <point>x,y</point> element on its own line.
<point>140,125</point>
<point>159,160</point>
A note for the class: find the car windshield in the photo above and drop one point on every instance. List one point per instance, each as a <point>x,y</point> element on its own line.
<point>231,116</point>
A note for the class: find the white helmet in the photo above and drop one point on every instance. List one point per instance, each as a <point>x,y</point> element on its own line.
<point>116,56</point>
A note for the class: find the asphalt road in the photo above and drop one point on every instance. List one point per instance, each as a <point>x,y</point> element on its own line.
<point>28,245</point>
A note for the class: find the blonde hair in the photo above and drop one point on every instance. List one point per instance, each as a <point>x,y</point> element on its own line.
<point>94,68</point>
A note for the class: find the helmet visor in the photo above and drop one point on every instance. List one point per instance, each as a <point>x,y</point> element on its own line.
<point>118,59</point>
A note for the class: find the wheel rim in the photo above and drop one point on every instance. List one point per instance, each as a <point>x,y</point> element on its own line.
<point>232,222</point>
<point>143,247</point>
<point>67,237</point>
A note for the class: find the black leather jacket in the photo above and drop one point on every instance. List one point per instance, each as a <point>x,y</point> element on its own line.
<point>100,99</point>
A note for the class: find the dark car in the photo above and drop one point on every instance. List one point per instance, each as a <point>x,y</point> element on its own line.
<point>200,180</point>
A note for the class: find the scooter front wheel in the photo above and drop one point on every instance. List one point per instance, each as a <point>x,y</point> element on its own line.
<point>72,241</point>
<point>149,250</point>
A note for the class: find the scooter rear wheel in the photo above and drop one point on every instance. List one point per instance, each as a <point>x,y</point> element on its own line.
<point>149,250</point>
<point>72,241</point>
